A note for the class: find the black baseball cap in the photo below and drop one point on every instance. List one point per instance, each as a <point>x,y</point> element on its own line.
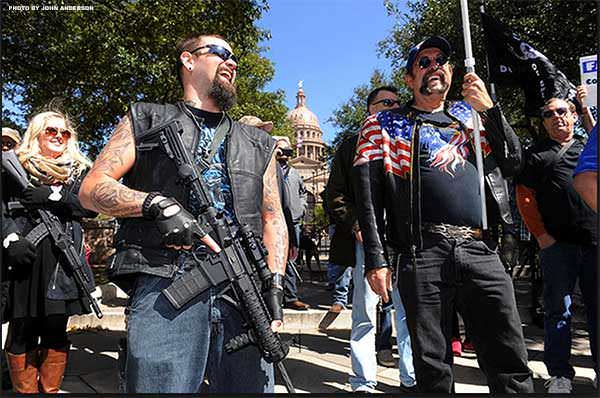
<point>431,42</point>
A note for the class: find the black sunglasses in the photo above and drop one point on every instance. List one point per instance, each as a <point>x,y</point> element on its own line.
<point>219,51</point>
<point>425,62</point>
<point>10,144</point>
<point>547,114</point>
<point>386,102</point>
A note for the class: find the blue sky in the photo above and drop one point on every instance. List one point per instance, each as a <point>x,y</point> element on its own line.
<point>329,44</point>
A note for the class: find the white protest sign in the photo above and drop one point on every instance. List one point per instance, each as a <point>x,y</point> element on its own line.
<point>589,76</point>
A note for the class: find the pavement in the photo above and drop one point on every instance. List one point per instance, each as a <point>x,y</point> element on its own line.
<point>319,360</point>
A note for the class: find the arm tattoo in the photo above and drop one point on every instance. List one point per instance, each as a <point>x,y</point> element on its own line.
<point>274,228</point>
<point>105,194</point>
<point>110,157</point>
<point>113,198</point>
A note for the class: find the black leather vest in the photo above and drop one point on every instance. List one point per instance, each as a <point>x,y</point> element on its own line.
<point>139,247</point>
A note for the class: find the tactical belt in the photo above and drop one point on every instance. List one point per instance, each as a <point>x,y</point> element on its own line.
<point>453,231</point>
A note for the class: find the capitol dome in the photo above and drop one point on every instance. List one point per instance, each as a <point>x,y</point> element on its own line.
<point>311,153</point>
<point>301,115</point>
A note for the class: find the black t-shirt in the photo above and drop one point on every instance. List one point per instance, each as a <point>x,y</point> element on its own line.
<point>210,119</point>
<point>449,184</point>
<point>566,216</point>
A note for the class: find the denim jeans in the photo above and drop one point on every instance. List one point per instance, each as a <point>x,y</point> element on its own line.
<point>470,275</point>
<point>339,276</point>
<point>405,362</point>
<point>362,336</point>
<point>383,338</point>
<point>290,289</point>
<point>562,263</point>
<point>171,351</point>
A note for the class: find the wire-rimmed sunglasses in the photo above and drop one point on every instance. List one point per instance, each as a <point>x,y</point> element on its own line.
<point>386,102</point>
<point>8,143</point>
<point>425,62</point>
<point>217,50</point>
<point>548,113</point>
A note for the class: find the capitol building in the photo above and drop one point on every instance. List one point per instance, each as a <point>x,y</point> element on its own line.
<point>311,153</point>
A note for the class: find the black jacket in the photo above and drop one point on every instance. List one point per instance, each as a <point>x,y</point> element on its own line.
<point>341,208</point>
<point>400,231</point>
<point>69,211</point>
<point>139,246</point>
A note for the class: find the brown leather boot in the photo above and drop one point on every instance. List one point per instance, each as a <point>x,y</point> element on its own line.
<point>53,363</point>
<point>23,371</point>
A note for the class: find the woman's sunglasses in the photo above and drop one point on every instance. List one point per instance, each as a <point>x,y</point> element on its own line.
<point>425,62</point>
<point>219,51</point>
<point>54,131</point>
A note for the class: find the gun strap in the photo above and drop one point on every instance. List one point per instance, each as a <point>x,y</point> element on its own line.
<point>222,130</point>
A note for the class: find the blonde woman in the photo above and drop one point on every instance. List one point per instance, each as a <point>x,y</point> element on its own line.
<point>42,293</point>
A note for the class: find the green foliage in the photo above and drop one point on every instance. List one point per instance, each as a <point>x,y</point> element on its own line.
<point>563,30</point>
<point>319,218</point>
<point>349,117</point>
<point>98,62</point>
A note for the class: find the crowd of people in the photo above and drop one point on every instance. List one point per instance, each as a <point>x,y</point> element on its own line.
<point>406,217</point>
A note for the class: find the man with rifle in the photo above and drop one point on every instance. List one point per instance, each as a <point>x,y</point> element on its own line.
<point>194,181</point>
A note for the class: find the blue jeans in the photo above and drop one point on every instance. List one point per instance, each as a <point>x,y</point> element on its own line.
<point>470,275</point>
<point>339,276</point>
<point>562,263</point>
<point>405,362</point>
<point>362,336</point>
<point>384,327</point>
<point>171,351</point>
<point>290,288</point>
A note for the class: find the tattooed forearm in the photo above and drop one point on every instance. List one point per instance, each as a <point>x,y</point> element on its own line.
<point>275,233</point>
<point>115,199</point>
<point>111,157</point>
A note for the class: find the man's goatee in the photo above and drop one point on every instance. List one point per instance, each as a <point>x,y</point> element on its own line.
<point>224,94</point>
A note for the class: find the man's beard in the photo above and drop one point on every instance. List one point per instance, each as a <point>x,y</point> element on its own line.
<point>223,93</point>
<point>441,88</point>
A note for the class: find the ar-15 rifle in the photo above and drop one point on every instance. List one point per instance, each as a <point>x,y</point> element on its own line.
<point>241,260</point>
<point>53,227</point>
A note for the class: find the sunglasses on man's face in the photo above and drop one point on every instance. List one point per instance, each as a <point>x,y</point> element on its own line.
<point>54,131</point>
<point>387,102</point>
<point>8,143</point>
<point>547,114</point>
<point>425,62</point>
<point>219,51</point>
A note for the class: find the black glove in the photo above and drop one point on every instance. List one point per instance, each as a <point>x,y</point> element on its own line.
<point>42,195</point>
<point>274,297</point>
<point>509,250</point>
<point>19,251</point>
<point>177,226</point>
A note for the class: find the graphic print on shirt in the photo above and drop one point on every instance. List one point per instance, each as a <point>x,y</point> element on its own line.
<point>387,136</point>
<point>215,176</point>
